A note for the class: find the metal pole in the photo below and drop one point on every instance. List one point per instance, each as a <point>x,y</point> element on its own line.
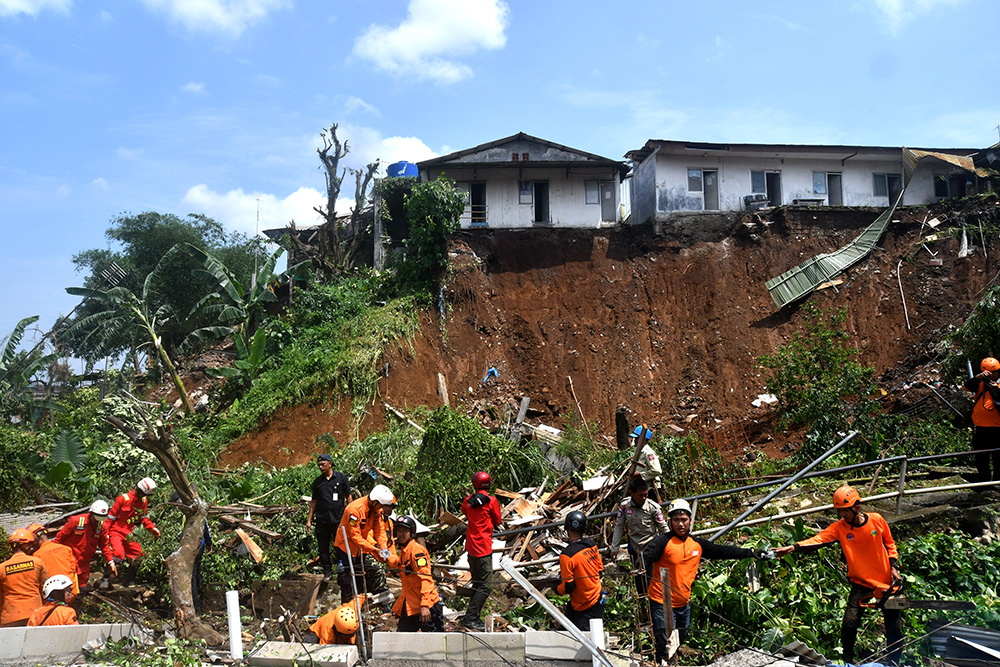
<point>902,483</point>
<point>791,480</point>
<point>508,565</point>
<point>357,602</point>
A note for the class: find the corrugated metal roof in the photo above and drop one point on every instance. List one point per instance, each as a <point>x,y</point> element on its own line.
<point>940,645</point>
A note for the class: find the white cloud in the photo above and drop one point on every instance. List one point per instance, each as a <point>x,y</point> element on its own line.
<point>33,7</point>
<point>237,210</point>
<point>367,145</point>
<point>63,191</point>
<point>433,32</point>
<point>897,13</point>
<point>130,153</point>
<point>358,104</point>
<point>195,87</point>
<point>100,184</point>
<point>227,16</point>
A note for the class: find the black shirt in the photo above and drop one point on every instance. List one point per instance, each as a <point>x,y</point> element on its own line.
<point>330,496</point>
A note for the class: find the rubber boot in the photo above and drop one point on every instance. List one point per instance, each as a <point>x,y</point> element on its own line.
<point>129,577</point>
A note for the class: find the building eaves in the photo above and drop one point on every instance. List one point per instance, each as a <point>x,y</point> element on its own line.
<point>830,150</point>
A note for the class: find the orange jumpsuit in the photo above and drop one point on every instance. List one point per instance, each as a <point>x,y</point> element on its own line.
<point>61,615</point>
<point>58,559</point>
<point>366,529</point>
<point>21,579</point>
<point>82,536</point>
<point>323,627</point>
<point>869,549</point>
<point>414,565</point>
<point>128,511</point>
<point>580,567</point>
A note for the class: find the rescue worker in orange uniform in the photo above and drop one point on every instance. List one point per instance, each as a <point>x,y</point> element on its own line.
<point>580,569</point>
<point>128,511</point>
<point>681,553</point>
<point>84,533</point>
<point>367,542</point>
<point>482,517</point>
<point>986,418</point>
<point>339,626</point>
<point>58,558</point>
<point>872,564</point>
<point>55,609</point>
<point>419,605</point>
<point>21,579</point>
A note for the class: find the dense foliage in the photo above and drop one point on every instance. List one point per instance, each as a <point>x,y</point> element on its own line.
<point>977,338</point>
<point>432,211</point>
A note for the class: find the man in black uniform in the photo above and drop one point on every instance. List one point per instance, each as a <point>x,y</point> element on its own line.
<point>331,492</point>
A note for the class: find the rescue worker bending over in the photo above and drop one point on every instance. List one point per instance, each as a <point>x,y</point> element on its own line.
<point>419,605</point>
<point>57,592</point>
<point>644,520</point>
<point>21,579</point>
<point>872,563</point>
<point>83,533</point>
<point>681,553</point>
<point>366,526</point>
<point>482,516</point>
<point>339,626</point>
<point>58,558</point>
<point>128,511</point>
<point>580,569</point>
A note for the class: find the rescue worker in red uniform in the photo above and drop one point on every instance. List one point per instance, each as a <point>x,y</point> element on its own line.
<point>482,516</point>
<point>339,626</point>
<point>21,579</point>
<point>986,418</point>
<point>128,511</point>
<point>681,553</point>
<point>58,558</point>
<point>580,569</point>
<point>872,564</point>
<point>366,524</point>
<point>84,533</point>
<point>54,611</point>
<point>419,605</point>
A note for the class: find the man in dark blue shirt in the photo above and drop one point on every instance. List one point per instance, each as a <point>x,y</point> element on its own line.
<point>331,492</point>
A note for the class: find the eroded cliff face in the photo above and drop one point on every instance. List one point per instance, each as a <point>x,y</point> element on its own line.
<point>670,329</point>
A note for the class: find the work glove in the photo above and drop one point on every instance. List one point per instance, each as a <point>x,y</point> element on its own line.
<point>764,554</point>
<point>384,554</point>
<point>114,568</point>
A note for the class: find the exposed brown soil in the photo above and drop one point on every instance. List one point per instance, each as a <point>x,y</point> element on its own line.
<point>668,326</point>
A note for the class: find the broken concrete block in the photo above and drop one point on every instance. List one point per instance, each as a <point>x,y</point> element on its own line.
<point>286,654</point>
<point>554,646</point>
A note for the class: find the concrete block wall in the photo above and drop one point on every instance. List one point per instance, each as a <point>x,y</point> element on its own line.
<point>282,654</point>
<point>460,648</point>
<point>59,642</point>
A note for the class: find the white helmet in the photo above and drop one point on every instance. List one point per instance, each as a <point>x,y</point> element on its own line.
<point>99,507</point>
<point>146,485</point>
<point>382,495</point>
<point>678,505</point>
<point>59,582</point>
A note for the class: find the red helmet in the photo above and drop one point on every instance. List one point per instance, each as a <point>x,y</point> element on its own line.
<point>989,364</point>
<point>845,497</point>
<point>481,481</point>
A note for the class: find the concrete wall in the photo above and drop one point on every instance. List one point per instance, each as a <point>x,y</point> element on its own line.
<point>644,191</point>
<point>58,642</point>
<point>669,188</point>
<point>567,194</point>
<point>460,648</point>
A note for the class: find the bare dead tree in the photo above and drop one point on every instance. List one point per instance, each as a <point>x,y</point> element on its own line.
<point>338,238</point>
<point>156,439</point>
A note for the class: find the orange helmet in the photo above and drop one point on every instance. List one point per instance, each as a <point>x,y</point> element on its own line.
<point>35,528</point>
<point>845,497</point>
<point>989,364</point>
<point>21,536</point>
<point>345,619</point>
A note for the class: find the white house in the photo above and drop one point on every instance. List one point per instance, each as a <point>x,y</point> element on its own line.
<point>522,181</point>
<point>671,176</point>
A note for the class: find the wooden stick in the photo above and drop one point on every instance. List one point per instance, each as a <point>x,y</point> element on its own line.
<point>573,391</point>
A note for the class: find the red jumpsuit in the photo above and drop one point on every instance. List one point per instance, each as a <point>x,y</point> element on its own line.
<point>83,536</point>
<point>128,511</point>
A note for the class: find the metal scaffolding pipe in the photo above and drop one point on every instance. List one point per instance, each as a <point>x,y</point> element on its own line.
<point>791,480</point>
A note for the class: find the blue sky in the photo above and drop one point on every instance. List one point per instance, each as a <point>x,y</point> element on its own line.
<point>207,106</point>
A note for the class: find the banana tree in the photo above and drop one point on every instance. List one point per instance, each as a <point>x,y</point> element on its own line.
<point>123,308</point>
<point>16,372</point>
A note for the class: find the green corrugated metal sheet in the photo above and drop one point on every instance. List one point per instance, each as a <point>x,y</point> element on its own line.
<point>810,274</point>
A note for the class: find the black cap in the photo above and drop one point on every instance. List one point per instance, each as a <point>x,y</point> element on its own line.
<point>325,457</point>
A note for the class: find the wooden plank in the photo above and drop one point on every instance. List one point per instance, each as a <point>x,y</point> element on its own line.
<point>250,526</point>
<point>255,551</point>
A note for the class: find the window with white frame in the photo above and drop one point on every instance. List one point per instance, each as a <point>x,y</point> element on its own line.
<point>593,192</point>
<point>694,180</point>
<point>819,182</point>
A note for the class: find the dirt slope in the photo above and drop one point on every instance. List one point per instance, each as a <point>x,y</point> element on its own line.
<point>670,329</point>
